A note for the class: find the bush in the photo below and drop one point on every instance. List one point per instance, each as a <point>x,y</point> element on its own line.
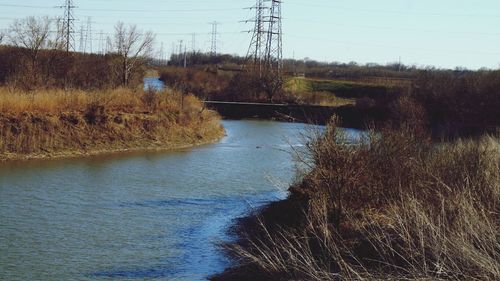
<point>150,99</point>
<point>96,114</point>
<point>459,99</point>
<point>59,69</point>
<point>393,206</point>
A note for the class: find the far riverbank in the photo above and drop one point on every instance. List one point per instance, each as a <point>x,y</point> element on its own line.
<point>57,124</point>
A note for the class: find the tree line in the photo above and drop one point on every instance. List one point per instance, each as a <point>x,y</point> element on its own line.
<point>33,55</point>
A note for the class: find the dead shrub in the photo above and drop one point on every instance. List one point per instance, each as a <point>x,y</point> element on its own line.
<point>394,207</point>
<point>95,113</point>
<point>150,99</point>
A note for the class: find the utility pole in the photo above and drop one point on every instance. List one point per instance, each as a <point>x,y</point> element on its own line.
<point>101,42</point>
<point>82,39</point>
<point>88,36</point>
<point>69,18</point>
<point>172,52</point>
<point>160,61</point>
<point>213,47</point>
<point>255,54</point>
<point>185,56</point>
<point>193,42</point>
<point>180,52</point>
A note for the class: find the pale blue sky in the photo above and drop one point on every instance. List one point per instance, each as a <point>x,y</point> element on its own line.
<point>443,33</point>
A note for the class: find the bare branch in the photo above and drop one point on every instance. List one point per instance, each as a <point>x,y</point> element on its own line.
<point>132,45</point>
<point>30,33</point>
<point>58,40</point>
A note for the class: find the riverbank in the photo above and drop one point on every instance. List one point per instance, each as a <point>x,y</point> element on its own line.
<point>58,124</point>
<point>369,212</point>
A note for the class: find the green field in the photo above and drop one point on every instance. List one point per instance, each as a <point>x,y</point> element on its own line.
<point>334,92</point>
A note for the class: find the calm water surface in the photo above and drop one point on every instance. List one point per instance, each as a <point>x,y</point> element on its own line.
<point>141,216</point>
<point>153,83</point>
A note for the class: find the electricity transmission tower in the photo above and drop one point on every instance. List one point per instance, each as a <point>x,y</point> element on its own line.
<point>89,36</point>
<point>274,44</point>
<point>69,18</point>
<point>82,39</point>
<point>256,49</point>
<point>160,57</point>
<point>101,42</point>
<point>213,47</point>
<point>193,42</point>
<point>265,53</point>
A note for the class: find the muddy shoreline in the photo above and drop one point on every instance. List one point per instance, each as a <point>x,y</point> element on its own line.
<point>68,154</point>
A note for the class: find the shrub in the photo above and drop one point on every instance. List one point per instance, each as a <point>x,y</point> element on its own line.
<point>459,99</point>
<point>96,113</point>
<point>394,206</point>
<point>150,99</point>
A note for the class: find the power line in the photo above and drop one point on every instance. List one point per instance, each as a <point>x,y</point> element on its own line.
<point>126,10</point>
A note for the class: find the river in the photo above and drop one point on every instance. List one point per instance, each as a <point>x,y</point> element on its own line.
<point>141,215</point>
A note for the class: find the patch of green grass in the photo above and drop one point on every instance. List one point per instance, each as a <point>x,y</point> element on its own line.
<point>348,89</point>
<point>333,92</point>
<point>298,84</point>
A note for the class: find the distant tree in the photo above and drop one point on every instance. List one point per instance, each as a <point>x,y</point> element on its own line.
<point>1,37</point>
<point>31,34</point>
<point>58,40</point>
<point>132,46</point>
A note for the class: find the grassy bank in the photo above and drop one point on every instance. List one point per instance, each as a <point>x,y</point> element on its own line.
<point>330,92</point>
<point>304,91</point>
<point>55,123</point>
<point>394,206</point>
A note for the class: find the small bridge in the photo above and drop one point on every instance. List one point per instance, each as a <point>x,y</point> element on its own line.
<point>351,116</point>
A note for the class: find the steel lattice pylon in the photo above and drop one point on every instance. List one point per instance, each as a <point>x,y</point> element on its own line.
<point>256,50</point>
<point>213,47</point>
<point>68,26</point>
<point>274,44</point>
<point>265,53</point>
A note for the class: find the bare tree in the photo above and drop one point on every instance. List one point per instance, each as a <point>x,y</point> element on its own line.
<point>32,35</point>
<point>2,35</point>
<point>132,45</point>
<point>58,40</point>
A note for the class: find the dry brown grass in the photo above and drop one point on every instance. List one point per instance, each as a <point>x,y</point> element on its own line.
<point>56,101</point>
<point>394,207</point>
<point>52,122</point>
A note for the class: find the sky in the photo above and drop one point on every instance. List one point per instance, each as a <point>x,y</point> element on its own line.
<point>440,33</point>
